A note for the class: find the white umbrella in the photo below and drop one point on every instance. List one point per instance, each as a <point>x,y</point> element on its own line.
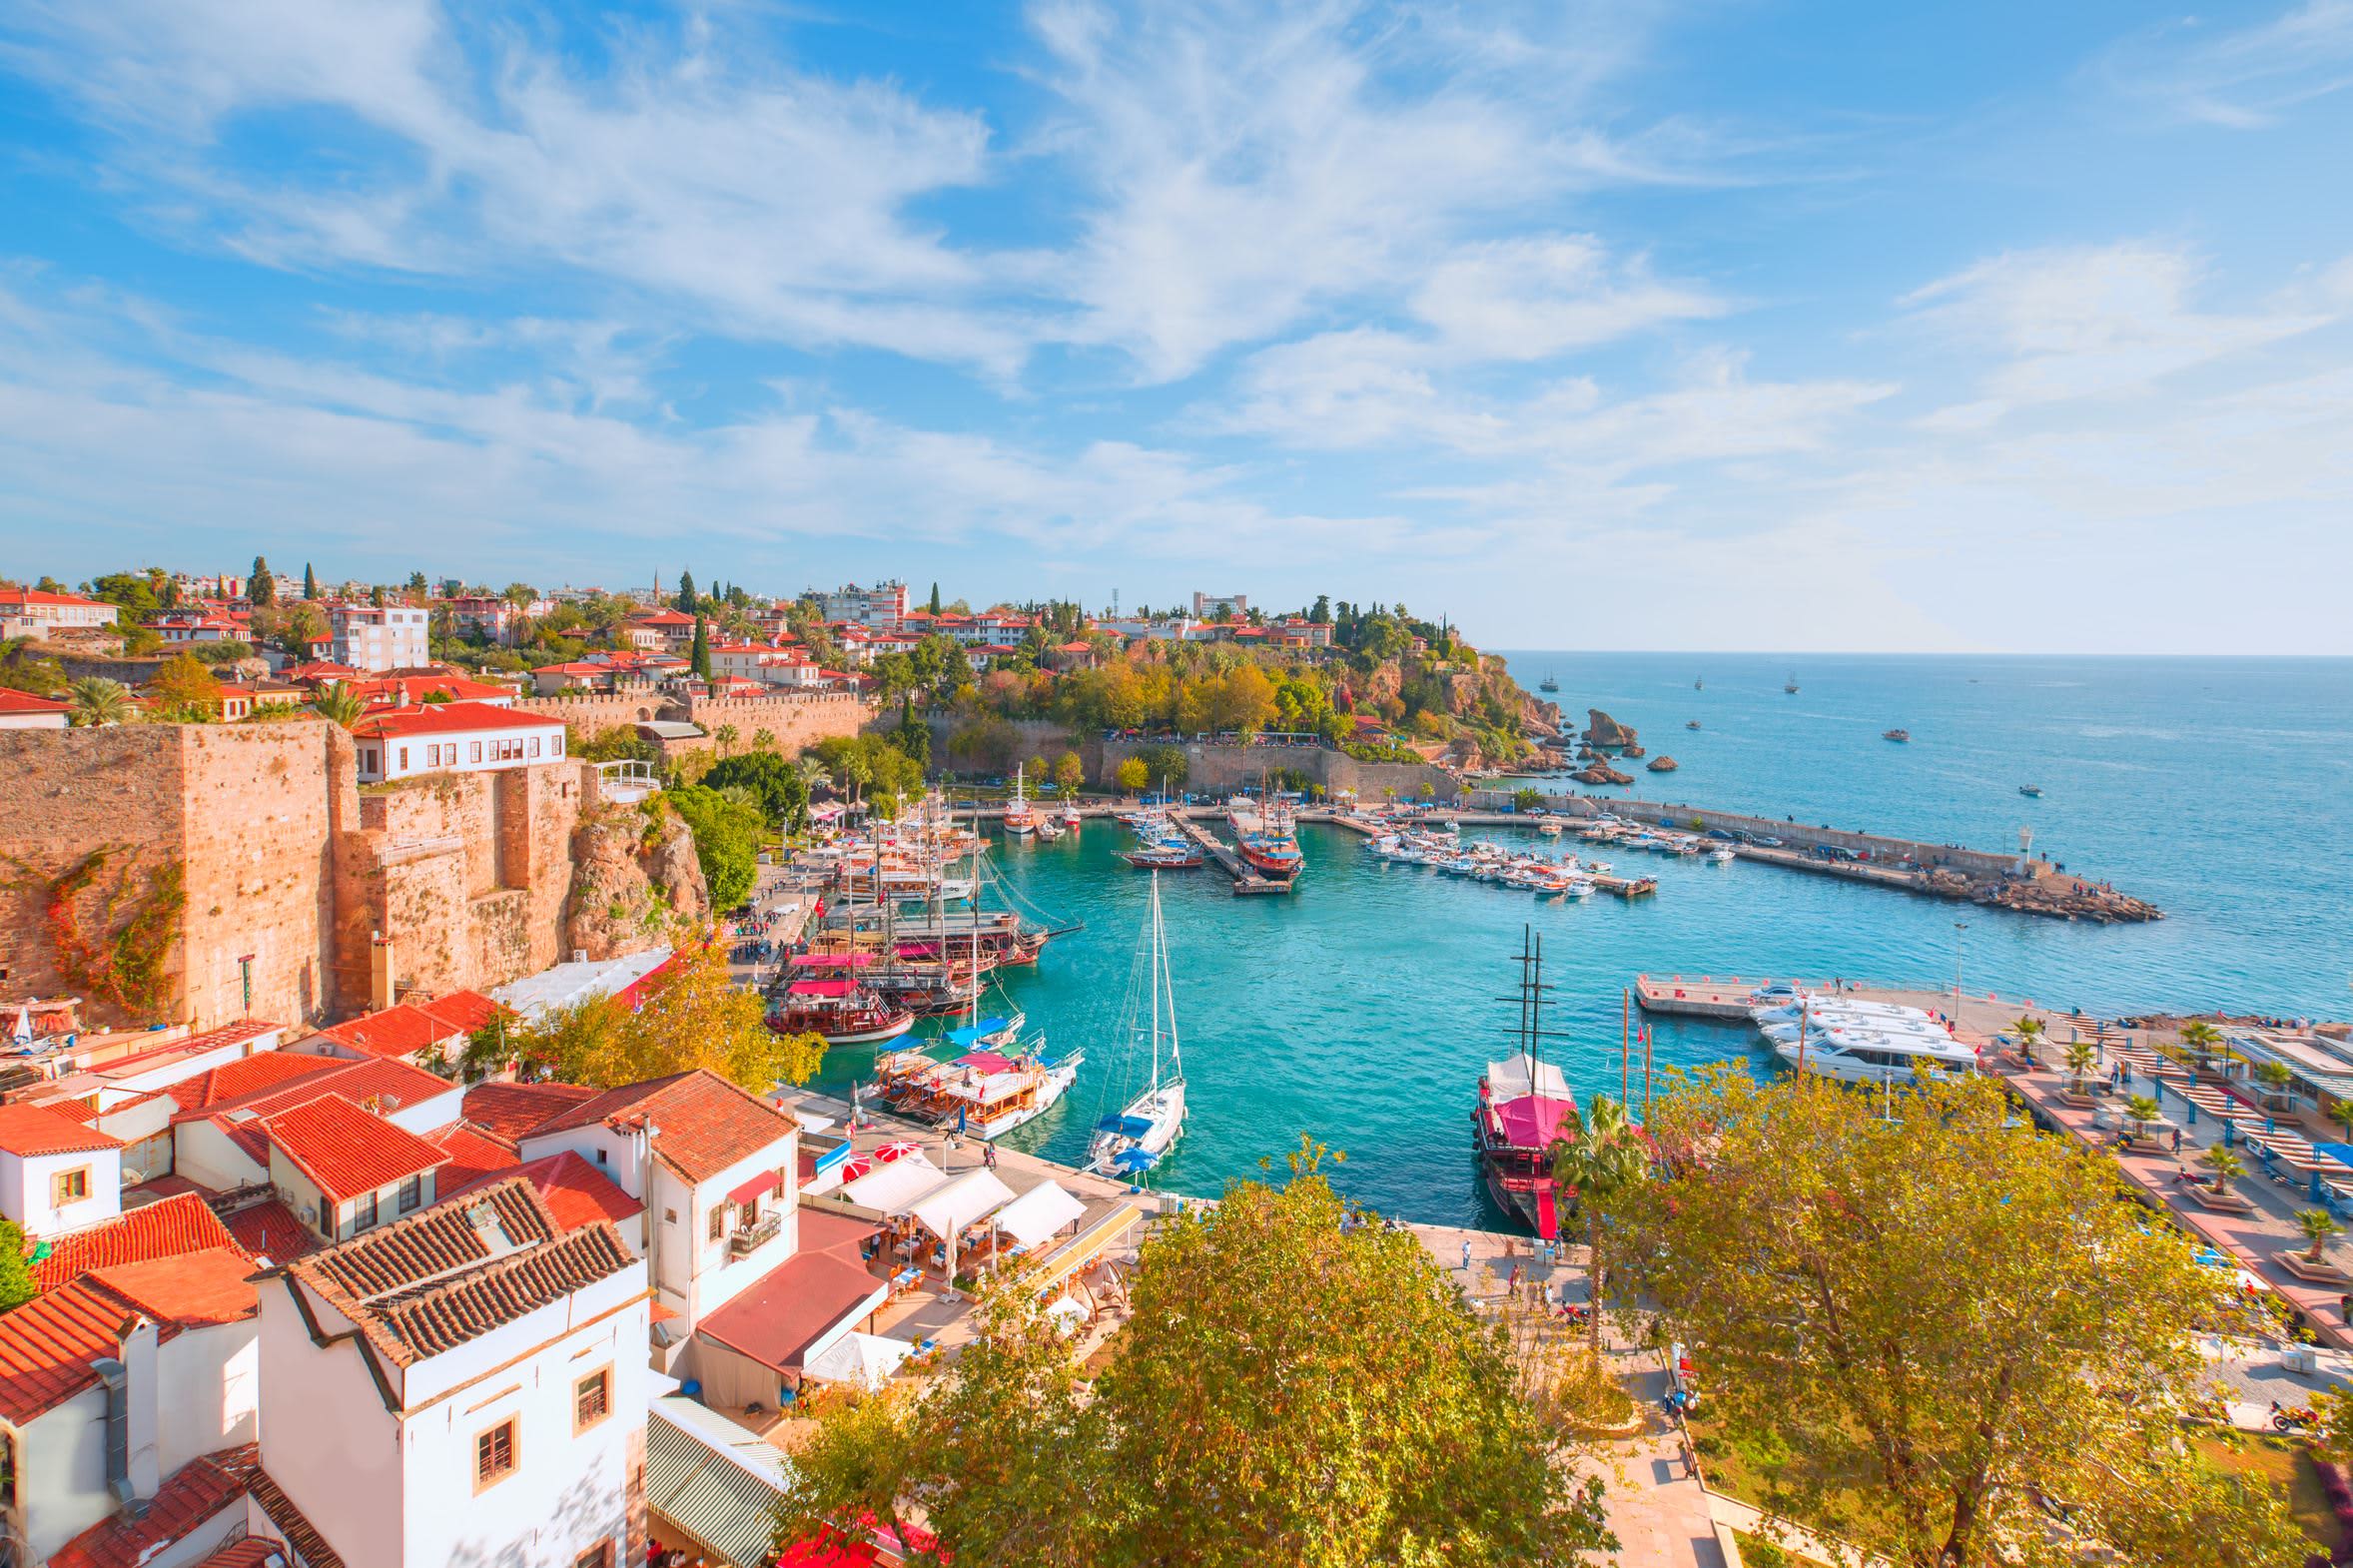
<point>865,1360</point>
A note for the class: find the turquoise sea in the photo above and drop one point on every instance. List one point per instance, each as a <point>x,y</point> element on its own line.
<point>1363,1008</point>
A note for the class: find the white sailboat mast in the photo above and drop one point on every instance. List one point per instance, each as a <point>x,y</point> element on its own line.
<point>1159,936</point>
<point>1156,980</point>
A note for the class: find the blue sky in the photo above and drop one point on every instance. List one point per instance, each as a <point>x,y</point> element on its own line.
<point>1718,324</point>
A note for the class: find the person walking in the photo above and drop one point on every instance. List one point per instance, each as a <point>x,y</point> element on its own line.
<point>2345,1305</point>
<point>1466,1255</point>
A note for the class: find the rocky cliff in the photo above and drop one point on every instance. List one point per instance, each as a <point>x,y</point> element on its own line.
<point>635,883</point>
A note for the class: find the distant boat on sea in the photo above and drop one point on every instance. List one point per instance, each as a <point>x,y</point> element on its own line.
<point>1698,685</point>
<point>1896,734</point>
<point>1550,682</point>
<point>2034,790</point>
<point>1790,685</point>
<point>1690,723</point>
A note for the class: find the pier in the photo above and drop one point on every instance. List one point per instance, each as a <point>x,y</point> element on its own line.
<point>1245,880</point>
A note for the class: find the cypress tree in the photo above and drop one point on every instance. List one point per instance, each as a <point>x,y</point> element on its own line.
<point>700,658</point>
<point>310,582</point>
<point>261,587</point>
<point>935,598</point>
<point>686,592</point>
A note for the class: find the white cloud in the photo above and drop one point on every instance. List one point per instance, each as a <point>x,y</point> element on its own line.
<point>2244,79</point>
<point>1248,169</point>
<point>1542,296</point>
<point>2086,322</point>
<point>770,201</point>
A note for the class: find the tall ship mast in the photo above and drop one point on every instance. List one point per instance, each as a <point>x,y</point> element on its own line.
<point>1133,1141</point>
<point>1524,1108</point>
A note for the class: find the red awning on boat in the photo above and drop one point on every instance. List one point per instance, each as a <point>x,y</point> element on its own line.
<point>821,988</point>
<point>1532,1121</point>
<point>984,1060</point>
<point>832,960</point>
<point>1547,1217</point>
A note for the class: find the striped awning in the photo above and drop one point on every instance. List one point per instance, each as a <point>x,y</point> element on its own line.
<point>1092,1243</point>
<point>704,1492</point>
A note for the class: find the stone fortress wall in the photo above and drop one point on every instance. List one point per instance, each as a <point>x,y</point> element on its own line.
<point>795,721</point>
<point>288,868</point>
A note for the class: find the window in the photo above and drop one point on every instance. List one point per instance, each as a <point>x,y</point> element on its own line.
<point>600,1156</point>
<point>69,1186</point>
<point>718,1221</point>
<point>593,1399</point>
<point>411,1194</point>
<point>599,1556</point>
<point>474,750</point>
<point>403,759</point>
<point>748,1214</point>
<point>363,1212</point>
<point>493,1455</point>
<point>555,745</point>
<point>534,745</point>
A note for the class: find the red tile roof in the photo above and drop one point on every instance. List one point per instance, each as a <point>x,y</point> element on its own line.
<point>381,1085</point>
<point>14,701</point>
<point>576,1192</point>
<point>270,1230</point>
<point>194,1494</point>
<point>42,596</point>
<point>399,1032</point>
<point>48,1343</point>
<point>415,688</point>
<point>30,1130</point>
<point>663,618</point>
<point>349,1153</point>
<point>466,1010</point>
<point>435,1281</point>
<point>193,1289</point>
<point>509,1110</point>
<point>474,1157</point>
<point>236,1034</point>
<point>255,1551</point>
<point>170,1228</point>
<point>706,1124</point>
<point>263,1070</point>
<point>778,1316</point>
<point>448,718</point>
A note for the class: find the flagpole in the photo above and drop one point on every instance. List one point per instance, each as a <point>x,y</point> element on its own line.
<point>1649,1031</point>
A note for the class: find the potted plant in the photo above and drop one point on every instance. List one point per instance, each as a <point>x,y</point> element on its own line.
<point>2226,1168</point>
<point>2081,1057</point>
<point>2200,1037</point>
<point>2318,1224</point>
<point>2275,1079</point>
<point>2029,1031</point>
<point>2141,1114</point>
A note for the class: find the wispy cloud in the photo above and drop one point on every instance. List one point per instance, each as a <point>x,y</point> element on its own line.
<point>2242,79</point>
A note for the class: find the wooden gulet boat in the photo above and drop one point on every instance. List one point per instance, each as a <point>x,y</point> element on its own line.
<point>1524,1108</point>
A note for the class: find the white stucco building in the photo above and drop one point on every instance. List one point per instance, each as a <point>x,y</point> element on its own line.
<point>453,737</point>
<point>467,1385</point>
<point>380,636</point>
<point>55,1173</point>
<point>23,710</point>
<point>29,613</point>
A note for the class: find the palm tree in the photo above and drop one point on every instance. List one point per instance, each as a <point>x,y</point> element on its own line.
<point>2141,1110</point>
<point>2082,1054</point>
<point>1605,1160</point>
<point>2200,1036</point>
<point>2028,1029</point>
<point>2341,1112</point>
<point>2226,1166</point>
<point>855,774</point>
<point>335,701</point>
<point>98,701</point>
<point>2318,1224</point>
<point>2275,1079</point>
<point>725,736</point>
<point>814,773</point>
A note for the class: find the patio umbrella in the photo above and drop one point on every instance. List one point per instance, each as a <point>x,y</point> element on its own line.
<point>854,1170</point>
<point>897,1151</point>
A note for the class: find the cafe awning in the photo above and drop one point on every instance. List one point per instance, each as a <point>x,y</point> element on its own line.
<point>758,1183</point>
<point>1034,1217</point>
<point>1097,1239</point>
<point>967,1200</point>
<point>707,1479</point>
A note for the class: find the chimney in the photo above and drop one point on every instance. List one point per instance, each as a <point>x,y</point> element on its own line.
<point>134,1466</point>
<point>379,971</point>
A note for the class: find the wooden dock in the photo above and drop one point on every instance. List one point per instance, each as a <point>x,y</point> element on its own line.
<point>1722,997</point>
<point>1245,880</point>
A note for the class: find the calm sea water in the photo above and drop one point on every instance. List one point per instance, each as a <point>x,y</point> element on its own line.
<point>1363,1008</point>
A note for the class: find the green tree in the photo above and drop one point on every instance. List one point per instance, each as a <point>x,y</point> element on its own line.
<point>912,735</point>
<point>16,1273</point>
<point>724,737</point>
<point>261,588</point>
<point>310,582</point>
<point>181,684</point>
<point>691,1015</point>
<point>1602,1163</point>
<point>1133,777</point>
<point>1070,773</point>
<point>699,659</point>
<point>2318,1224</point>
<point>934,601</point>
<point>777,785</point>
<point>1947,1315</point>
<point>1254,1412</point>
<point>99,701</point>
<point>336,701</point>
<point>2341,1112</point>
<point>2224,1165</point>
<point>684,604</point>
<point>726,839</point>
<point>1527,799</point>
<point>2201,1037</point>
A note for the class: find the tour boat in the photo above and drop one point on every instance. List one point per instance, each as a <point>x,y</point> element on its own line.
<point>2034,790</point>
<point>1878,1060</point>
<point>1789,685</point>
<point>1690,723</point>
<point>1070,815</point>
<point>1524,1108</point>
<point>843,1012</point>
<point>1266,840</point>
<point>1698,685</point>
<point>1049,830</point>
<point>1548,683</point>
<point>1133,1141</point>
<point>1019,818</point>
<point>987,1093</point>
<point>1896,734</point>
<point>1163,856</point>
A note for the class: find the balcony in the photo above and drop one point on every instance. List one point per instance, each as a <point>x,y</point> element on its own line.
<point>754,1236</point>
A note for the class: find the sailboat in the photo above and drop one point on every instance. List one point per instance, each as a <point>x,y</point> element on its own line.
<point>1134,1141</point>
<point>1524,1108</point>
<point>1790,685</point>
<point>1019,818</point>
<point>1699,683</point>
<point>1550,682</point>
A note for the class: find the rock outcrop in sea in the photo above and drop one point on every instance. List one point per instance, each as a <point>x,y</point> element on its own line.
<point>1602,730</point>
<point>1599,772</point>
<point>1664,764</point>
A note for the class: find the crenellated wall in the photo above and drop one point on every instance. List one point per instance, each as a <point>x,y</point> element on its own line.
<point>794,721</point>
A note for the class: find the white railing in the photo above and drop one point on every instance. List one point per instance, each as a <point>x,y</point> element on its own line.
<point>629,780</point>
